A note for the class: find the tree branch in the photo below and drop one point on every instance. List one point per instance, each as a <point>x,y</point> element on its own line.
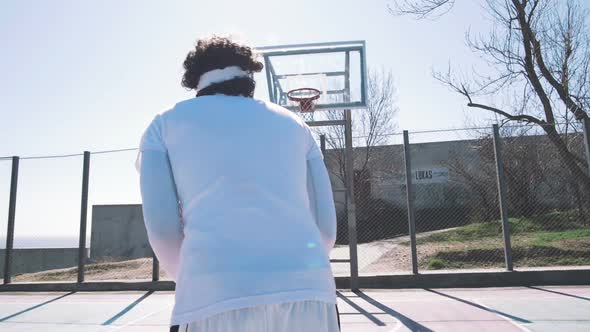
<point>529,62</point>
<point>522,117</point>
<point>560,88</point>
<point>421,9</point>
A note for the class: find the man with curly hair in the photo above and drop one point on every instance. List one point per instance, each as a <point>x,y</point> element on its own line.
<point>238,204</point>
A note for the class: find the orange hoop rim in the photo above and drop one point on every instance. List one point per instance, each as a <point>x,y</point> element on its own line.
<point>306,104</point>
<point>317,93</point>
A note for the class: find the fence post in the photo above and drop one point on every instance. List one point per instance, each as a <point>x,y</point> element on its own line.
<point>11,218</point>
<point>586,125</point>
<point>351,207</point>
<point>410,202</point>
<point>155,267</point>
<point>502,197</point>
<point>83,217</point>
<point>323,144</point>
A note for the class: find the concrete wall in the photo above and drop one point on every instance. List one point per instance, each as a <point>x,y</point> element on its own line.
<point>118,232</point>
<point>434,173</point>
<point>35,260</point>
<point>430,173</point>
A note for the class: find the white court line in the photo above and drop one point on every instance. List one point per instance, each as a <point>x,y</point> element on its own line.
<point>398,326</point>
<point>451,300</point>
<point>495,312</point>
<point>68,303</point>
<point>140,318</point>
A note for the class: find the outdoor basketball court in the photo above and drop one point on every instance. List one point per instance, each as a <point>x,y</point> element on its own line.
<point>324,83</point>
<point>492,309</point>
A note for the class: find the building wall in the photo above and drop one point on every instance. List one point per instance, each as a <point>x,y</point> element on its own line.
<point>35,260</point>
<point>441,195</point>
<point>430,173</point>
<point>118,232</point>
<point>454,182</point>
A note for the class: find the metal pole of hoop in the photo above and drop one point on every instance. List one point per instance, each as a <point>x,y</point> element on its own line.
<point>306,97</point>
<point>350,199</point>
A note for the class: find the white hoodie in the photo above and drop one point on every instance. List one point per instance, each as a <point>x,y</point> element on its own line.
<point>238,206</point>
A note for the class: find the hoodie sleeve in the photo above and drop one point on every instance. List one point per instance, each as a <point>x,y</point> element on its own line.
<point>320,193</point>
<point>161,210</point>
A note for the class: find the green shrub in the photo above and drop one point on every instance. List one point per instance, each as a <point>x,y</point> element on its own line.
<point>436,264</point>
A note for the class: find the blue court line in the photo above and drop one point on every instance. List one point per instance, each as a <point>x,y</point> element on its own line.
<point>560,293</point>
<point>367,314</point>
<point>512,317</point>
<point>127,309</point>
<point>406,321</point>
<point>34,307</point>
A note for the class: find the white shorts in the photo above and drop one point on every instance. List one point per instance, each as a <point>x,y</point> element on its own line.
<point>281,317</point>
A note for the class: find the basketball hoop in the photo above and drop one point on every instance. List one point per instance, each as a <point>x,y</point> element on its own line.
<point>306,98</point>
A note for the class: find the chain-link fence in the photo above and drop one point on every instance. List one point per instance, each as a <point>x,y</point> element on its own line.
<point>455,205</point>
<point>119,249</point>
<point>380,216</point>
<point>46,229</point>
<point>340,255</point>
<point>455,211</point>
<point>548,197</point>
<point>47,226</point>
<point>5,170</point>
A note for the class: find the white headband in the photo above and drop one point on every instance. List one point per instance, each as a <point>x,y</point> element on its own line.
<point>220,75</point>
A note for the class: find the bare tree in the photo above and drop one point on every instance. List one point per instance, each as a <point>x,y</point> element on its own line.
<point>371,127</point>
<point>421,9</point>
<point>539,55</point>
<point>536,180</point>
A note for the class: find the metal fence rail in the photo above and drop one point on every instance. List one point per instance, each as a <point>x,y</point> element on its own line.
<point>497,199</point>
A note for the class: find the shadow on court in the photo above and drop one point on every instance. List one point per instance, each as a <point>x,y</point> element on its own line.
<point>127,309</point>
<point>536,309</point>
<point>560,293</point>
<point>34,307</point>
<point>481,307</point>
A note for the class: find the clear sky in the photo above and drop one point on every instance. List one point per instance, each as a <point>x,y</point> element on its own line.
<point>90,75</point>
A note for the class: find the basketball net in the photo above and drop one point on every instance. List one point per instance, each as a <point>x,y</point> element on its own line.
<point>304,99</point>
<point>306,116</point>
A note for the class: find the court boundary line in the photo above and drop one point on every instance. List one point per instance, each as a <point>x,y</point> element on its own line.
<point>403,319</point>
<point>117,328</point>
<point>519,325</point>
<point>360,310</point>
<point>477,305</point>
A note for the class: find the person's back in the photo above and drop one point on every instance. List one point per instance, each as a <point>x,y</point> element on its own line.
<point>241,176</point>
<point>235,214</point>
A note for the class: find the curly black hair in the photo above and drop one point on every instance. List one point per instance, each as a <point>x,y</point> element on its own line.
<point>217,53</point>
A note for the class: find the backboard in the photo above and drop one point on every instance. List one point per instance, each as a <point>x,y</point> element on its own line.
<point>337,69</point>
